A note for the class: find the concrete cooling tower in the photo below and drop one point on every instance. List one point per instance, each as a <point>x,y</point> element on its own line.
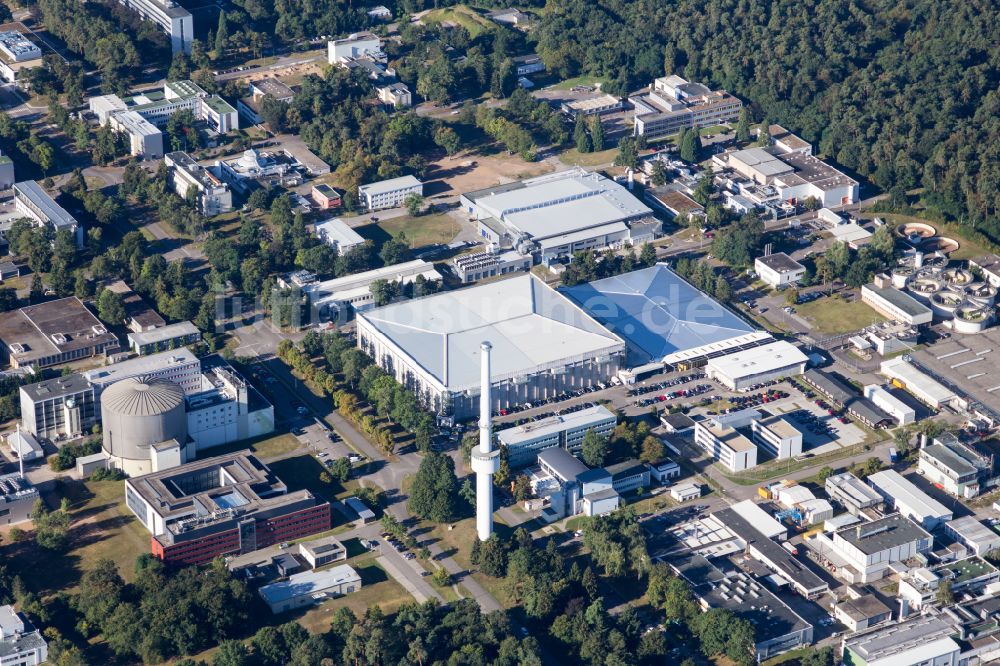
<point>142,418</point>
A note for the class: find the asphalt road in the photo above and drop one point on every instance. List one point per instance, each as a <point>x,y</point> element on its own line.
<point>385,472</point>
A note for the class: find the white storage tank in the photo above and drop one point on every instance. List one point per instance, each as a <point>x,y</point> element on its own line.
<point>137,413</point>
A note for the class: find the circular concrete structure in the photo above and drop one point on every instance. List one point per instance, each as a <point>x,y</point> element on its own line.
<point>916,230</point>
<point>971,318</point>
<point>901,276</point>
<point>945,303</point>
<point>942,244</point>
<point>981,292</point>
<point>923,287</point>
<point>957,277</point>
<point>137,413</point>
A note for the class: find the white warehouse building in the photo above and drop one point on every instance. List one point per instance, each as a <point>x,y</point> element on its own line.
<point>909,500</point>
<point>890,404</point>
<point>543,344</point>
<point>779,270</point>
<point>743,369</point>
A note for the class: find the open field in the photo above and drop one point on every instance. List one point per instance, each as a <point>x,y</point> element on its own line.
<point>833,315</point>
<point>303,472</point>
<point>576,158</point>
<point>578,81</point>
<point>420,231</point>
<point>461,15</point>
<point>101,527</point>
<point>451,176</point>
<point>267,448</point>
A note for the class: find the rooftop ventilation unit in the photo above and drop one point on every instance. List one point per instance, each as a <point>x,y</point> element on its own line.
<point>59,338</point>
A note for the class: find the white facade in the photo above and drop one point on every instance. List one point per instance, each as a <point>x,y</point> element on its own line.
<point>890,404</point>
<point>395,94</point>
<point>173,19</point>
<point>976,536</point>
<point>389,193</point>
<point>777,436</point>
<point>779,270</point>
<point>523,442</point>
<point>20,644</point>
<point>212,195</point>
<point>310,587</point>
<point>543,344</point>
<point>144,138</point>
<point>30,200</point>
<point>335,233</point>
<point>909,500</point>
<point>743,369</point>
<point>685,492</point>
<point>218,114</point>
<point>340,51</point>
<point>870,548</point>
<point>337,299</point>
<point>922,386</point>
<point>896,305</point>
<point>179,366</point>
<point>223,412</point>
<point>726,445</point>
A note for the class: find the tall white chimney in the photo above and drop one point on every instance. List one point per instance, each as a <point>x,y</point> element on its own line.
<point>19,445</point>
<point>485,461</point>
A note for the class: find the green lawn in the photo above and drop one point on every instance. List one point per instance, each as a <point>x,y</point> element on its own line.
<point>461,15</point>
<point>576,158</point>
<point>832,315</point>
<point>714,129</point>
<point>302,473</point>
<point>421,231</point>
<point>102,527</point>
<point>578,81</point>
<point>266,448</point>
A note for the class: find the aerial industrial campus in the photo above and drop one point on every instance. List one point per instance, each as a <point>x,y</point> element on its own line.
<point>558,332</point>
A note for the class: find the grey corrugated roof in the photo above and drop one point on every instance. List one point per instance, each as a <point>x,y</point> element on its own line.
<point>901,300</point>
<point>530,326</point>
<point>142,396</point>
<point>563,462</point>
<point>57,215</point>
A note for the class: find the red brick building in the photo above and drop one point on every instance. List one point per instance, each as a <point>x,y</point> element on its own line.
<point>227,505</point>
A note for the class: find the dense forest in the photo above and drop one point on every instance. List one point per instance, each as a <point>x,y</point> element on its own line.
<point>902,93</point>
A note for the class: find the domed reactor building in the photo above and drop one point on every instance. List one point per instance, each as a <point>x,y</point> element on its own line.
<point>145,425</point>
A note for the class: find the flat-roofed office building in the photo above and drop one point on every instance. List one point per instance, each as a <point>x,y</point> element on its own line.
<point>32,201</point>
<point>524,442</point>
<point>172,19</point>
<point>53,333</point>
<point>726,445</point>
<point>58,408</point>
<point>777,436</point>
